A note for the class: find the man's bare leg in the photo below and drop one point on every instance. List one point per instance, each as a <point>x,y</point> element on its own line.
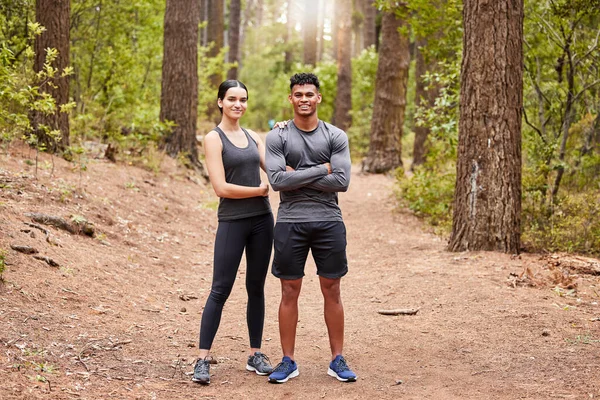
<point>288,315</point>
<point>334,314</point>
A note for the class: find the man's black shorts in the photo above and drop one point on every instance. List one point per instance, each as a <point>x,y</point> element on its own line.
<point>325,239</point>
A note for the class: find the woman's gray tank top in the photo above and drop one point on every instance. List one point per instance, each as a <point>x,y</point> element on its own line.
<point>242,167</point>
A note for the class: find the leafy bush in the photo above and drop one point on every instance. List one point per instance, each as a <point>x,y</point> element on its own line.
<point>571,223</point>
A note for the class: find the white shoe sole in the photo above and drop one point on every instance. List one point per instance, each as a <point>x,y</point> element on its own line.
<point>290,376</point>
<point>250,368</point>
<point>331,372</point>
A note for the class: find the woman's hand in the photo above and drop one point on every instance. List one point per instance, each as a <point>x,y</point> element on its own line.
<point>264,189</point>
<point>281,124</point>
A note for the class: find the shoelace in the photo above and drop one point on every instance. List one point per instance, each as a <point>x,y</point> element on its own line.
<point>262,358</point>
<point>283,367</point>
<point>341,365</point>
<point>202,367</point>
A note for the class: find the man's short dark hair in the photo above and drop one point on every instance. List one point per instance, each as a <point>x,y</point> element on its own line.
<point>304,78</point>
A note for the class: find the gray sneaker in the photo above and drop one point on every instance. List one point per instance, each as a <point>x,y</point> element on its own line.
<point>259,363</point>
<point>202,372</point>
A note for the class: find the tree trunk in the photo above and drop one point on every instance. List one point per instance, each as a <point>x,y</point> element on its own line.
<point>179,89</point>
<point>235,14</point>
<point>320,30</point>
<point>311,17</point>
<point>287,65</point>
<point>422,98</point>
<point>385,148</point>
<point>357,27</point>
<point>203,19</point>
<point>214,38</point>
<point>487,199</point>
<point>54,15</point>
<point>369,32</point>
<point>343,98</point>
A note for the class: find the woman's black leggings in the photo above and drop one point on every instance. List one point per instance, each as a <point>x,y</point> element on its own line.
<point>255,234</point>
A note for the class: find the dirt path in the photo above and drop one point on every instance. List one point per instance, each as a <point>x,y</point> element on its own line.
<point>119,318</point>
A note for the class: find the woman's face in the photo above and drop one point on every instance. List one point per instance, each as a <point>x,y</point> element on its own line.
<point>234,103</point>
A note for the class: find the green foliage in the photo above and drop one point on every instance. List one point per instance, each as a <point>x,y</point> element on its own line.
<point>21,90</point>
<point>429,194</point>
<point>116,53</point>
<point>364,71</point>
<point>570,223</point>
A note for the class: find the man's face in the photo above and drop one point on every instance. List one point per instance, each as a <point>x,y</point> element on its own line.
<point>305,98</point>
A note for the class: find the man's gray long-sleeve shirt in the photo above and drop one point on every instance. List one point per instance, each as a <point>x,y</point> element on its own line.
<point>309,193</point>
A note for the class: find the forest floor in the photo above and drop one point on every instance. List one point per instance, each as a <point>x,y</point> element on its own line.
<point>119,316</point>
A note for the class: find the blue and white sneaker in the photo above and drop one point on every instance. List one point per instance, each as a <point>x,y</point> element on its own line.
<point>284,371</point>
<point>340,370</point>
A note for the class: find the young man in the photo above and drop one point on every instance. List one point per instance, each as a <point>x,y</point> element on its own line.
<point>308,162</point>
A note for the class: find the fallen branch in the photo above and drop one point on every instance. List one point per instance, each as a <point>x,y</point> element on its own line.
<point>23,249</point>
<point>75,228</point>
<point>48,261</point>
<point>44,230</point>
<point>400,311</point>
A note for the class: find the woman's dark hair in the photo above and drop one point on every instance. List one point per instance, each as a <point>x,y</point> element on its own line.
<point>226,85</point>
<point>304,78</point>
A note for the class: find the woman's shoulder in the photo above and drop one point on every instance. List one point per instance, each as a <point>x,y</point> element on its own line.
<point>253,135</point>
<point>212,137</point>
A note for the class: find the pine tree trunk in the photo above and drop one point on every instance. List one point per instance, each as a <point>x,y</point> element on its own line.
<point>357,27</point>
<point>235,16</point>
<point>424,98</point>
<point>311,17</point>
<point>214,38</point>
<point>54,15</point>
<point>487,199</point>
<point>343,98</point>
<point>369,24</point>
<point>179,89</point>
<point>203,19</point>
<point>287,64</point>
<point>385,148</point>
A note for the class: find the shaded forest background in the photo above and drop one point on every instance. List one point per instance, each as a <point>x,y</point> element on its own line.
<point>390,75</point>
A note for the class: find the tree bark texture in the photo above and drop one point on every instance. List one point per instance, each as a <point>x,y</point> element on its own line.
<point>215,39</point>
<point>235,17</point>
<point>179,89</point>
<point>343,98</point>
<point>487,199</point>
<point>288,58</point>
<point>309,27</point>
<point>203,18</point>
<point>357,27</point>
<point>385,148</point>
<point>369,32</point>
<point>54,15</point>
<point>424,98</point>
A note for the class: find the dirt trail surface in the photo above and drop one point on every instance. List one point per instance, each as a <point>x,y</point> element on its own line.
<point>119,317</point>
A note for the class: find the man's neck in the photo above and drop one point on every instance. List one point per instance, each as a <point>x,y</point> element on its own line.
<point>307,124</point>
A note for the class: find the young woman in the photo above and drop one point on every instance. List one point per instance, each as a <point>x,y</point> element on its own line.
<point>233,157</point>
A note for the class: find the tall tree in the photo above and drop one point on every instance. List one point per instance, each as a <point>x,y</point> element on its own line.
<point>369,32</point>
<point>287,64</point>
<point>424,97</point>
<point>54,16</point>
<point>179,89</point>
<point>203,19</point>
<point>215,39</point>
<point>235,14</point>
<point>385,148</point>
<point>487,198</point>
<point>343,98</point>
<point>358,18</point>
<point>309,27</point>
<point>321,30</point>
